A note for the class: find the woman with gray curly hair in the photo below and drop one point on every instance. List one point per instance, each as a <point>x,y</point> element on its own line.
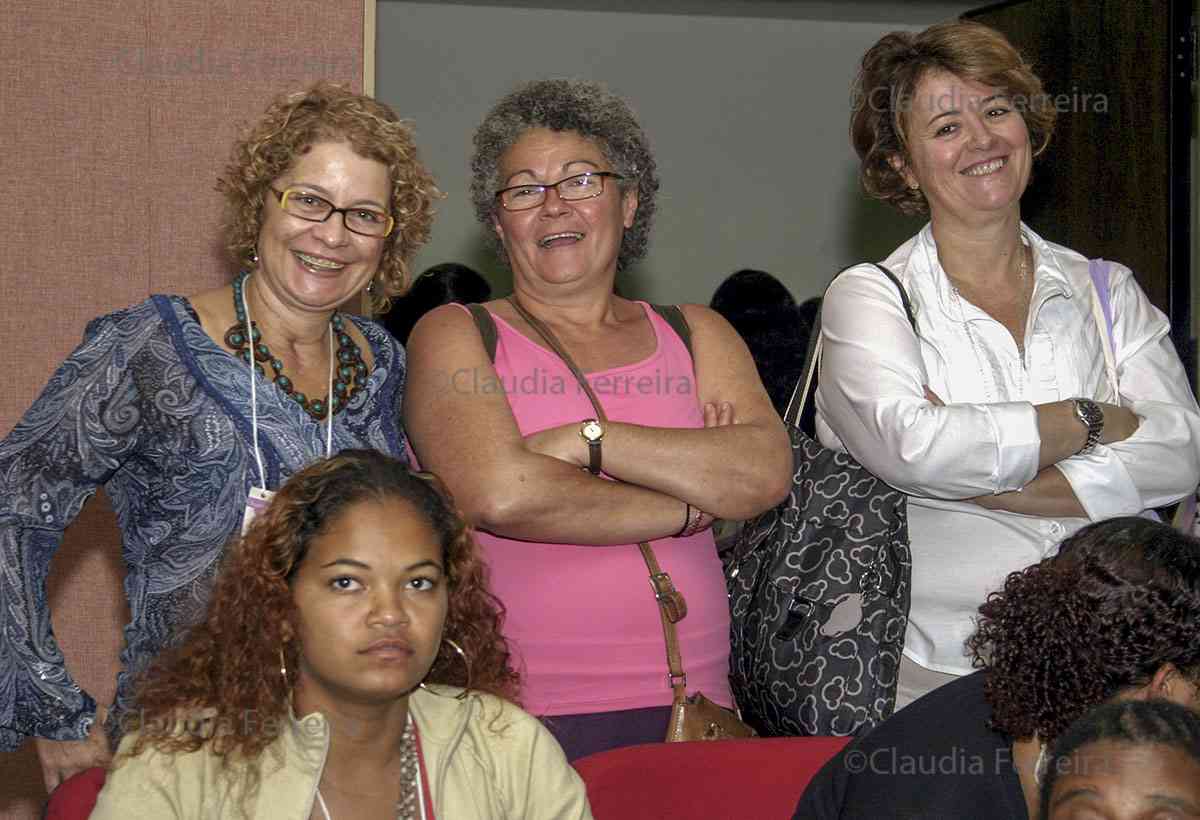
<point>562,488</point>
<point>1040,390</point>
<point>190,411</point>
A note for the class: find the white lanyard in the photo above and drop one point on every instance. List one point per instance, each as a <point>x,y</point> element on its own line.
<point>262,473</point>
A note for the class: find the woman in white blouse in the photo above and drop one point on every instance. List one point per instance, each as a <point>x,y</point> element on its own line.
<point>999,418</point>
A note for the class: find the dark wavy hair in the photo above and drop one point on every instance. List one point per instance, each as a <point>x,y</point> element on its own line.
<point>1133,722</point>
<point>585,108</point>
<point>294,123</point>
<point>886,87</point>
<point>1119,600</point>
<point>775,329</point>
<point>228,664</point>
<point>449,282</point>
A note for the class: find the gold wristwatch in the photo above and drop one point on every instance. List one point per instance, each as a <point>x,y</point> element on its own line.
<point>592,431</point>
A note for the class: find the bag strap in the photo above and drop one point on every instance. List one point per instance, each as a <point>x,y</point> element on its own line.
<point>1098,269</point>
<point>812,357</point>
<point>671,604</point>
<point>673,316</point>
<point>1184,520</point>
<point>487,328</point>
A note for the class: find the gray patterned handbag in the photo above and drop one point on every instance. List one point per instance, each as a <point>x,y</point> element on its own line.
<point>819,590</point>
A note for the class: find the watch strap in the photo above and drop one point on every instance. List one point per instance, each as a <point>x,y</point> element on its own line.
<point>594,453</point>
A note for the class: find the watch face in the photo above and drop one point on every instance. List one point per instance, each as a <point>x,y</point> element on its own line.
<point>591,430</point>
<point>1089,412</point>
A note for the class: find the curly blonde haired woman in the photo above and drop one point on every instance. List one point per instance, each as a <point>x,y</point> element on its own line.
<point>186,410</point>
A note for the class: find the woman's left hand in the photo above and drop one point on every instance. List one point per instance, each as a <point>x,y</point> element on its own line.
<point>566,444</point>
<point>718,415</point>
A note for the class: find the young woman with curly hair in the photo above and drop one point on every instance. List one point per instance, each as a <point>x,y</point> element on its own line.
<point>182,407</point>
<point>1114,615</point>
<point>350,664</point>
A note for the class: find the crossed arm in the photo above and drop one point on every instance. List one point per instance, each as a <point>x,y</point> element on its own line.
<point>532,487</point>
<point>1013,456</point>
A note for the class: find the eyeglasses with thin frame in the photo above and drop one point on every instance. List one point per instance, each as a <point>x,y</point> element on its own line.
<point>306,205</point>
<point>579,186</point>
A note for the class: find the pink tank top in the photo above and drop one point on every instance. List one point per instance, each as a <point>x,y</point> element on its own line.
<point>582,620</point>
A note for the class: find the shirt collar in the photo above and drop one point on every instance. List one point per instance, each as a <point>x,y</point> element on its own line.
<point>1049,275</point>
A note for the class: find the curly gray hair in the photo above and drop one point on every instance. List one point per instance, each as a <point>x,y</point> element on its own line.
<point>588,109</point>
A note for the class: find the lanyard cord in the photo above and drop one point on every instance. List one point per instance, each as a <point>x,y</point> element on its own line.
<point>262,473</point>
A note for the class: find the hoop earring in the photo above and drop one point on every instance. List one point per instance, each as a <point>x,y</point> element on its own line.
<point>283,668</point>
<point>466,661</point>
<point>371,287</point>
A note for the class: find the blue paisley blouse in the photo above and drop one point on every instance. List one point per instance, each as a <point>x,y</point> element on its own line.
<point>156,412</point>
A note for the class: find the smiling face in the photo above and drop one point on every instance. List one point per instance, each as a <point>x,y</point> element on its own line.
<point>371,593</point>
<point>968,149</point>
<point>316,266</point>
<point>1110,780</point>
<point>561,242</point>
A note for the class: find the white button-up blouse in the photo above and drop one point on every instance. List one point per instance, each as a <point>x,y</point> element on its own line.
<point>871,403</point>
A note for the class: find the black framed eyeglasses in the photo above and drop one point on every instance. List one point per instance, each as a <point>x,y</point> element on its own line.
<point>306,205</point>
<point>579,186</point>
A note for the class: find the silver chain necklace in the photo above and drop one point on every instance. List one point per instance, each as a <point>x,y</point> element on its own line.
<point>989,383</point>
<point>410,805</point>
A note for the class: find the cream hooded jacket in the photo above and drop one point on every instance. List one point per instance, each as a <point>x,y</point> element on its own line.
<point>485,759</point>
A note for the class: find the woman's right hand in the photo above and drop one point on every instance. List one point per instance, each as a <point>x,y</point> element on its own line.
<point>62,758</point>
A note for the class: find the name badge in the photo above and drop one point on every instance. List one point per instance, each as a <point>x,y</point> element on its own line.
<point>256,502</point>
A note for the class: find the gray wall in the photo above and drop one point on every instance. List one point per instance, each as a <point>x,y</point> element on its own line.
<point>748,116</point>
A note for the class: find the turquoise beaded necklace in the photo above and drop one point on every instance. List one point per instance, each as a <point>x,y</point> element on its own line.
<point>349,378</point>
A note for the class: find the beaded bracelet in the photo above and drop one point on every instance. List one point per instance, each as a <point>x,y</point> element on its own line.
<point>692,516</point>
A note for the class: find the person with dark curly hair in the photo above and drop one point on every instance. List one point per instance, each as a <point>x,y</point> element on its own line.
<point>565,183</point>
<point>350,664</point>
<point>444,284</point>
<point>187,411</point>
<point>1125,761</point>
<point>1114,615</point>
<point>1040,391</point>
<point>775,329</point>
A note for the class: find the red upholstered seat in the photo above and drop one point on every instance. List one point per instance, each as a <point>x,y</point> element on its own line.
<point>754,779</point>
<point>75,797</point>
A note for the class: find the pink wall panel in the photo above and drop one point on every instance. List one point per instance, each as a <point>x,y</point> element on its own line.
<point>212,68</point>
<point>74,140</point>
<point>115,119</point>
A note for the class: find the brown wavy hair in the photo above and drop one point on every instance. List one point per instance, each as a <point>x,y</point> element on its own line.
<point>228,665</point>
<point>291,125</point>
<point>887,84</point>
<point>1119,600</point>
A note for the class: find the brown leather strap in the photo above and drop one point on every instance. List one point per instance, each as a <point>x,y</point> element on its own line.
<point>552,342</point>
<point>487,328</point>
<point>672,607</point>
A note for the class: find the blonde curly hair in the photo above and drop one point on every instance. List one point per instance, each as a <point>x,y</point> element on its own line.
<point>291,125</point>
